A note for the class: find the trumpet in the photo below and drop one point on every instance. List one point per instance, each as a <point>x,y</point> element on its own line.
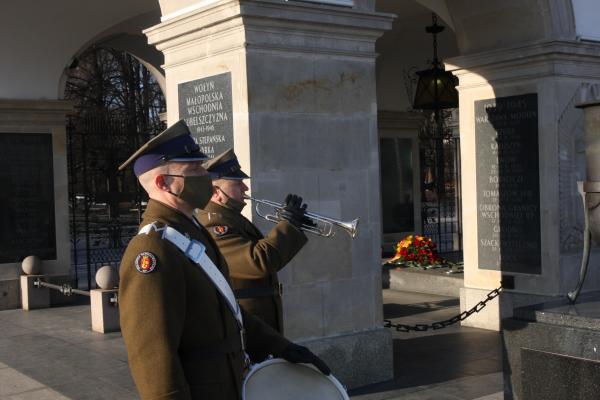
<point>321,225</point>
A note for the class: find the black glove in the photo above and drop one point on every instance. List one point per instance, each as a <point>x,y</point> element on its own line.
<point>293,210</point>
<point>300,354</point>
<point>307,221</point>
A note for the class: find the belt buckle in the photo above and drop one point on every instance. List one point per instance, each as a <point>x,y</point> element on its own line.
<point>194,250</point>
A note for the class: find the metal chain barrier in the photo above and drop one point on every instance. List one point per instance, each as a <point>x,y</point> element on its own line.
<point>443,324</point>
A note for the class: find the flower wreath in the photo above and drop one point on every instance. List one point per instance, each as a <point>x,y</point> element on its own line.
<point>416,251</point>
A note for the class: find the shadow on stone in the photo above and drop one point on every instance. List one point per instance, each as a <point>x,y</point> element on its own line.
<point>429,360</point>
<point>385,275</point>
<point>404,310</point>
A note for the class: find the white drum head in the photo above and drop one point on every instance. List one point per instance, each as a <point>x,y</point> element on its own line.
<point>278,379</point>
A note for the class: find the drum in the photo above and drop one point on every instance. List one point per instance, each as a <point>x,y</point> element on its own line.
<point>278,379</point>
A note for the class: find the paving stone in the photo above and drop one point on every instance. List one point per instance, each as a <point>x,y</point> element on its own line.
<point>473,387</point>
<point>119,377</point>
<point>428,394</point>
<point>95,390</point>
<point>494,396</point>
<point>53,354</point>
<point>422,393</point>
<point>42,394</point>
<point>390,394</point>
<point>451,363</point>
<point>13,382</point>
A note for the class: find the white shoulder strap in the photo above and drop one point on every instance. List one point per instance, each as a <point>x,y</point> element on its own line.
<point>196,252</point>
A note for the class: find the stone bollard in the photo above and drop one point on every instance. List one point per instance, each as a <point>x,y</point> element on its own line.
<point>105,313</point>
<point>33,297</point>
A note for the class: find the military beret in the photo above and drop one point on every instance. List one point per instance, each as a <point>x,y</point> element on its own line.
<point>173,144</point>
<point>225,166</point>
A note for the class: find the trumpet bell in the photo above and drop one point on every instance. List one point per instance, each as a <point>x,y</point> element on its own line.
<point>351,227</point>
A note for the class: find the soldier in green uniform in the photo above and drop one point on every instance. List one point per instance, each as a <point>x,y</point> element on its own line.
<point>186,338</point>
<point>253,259</point>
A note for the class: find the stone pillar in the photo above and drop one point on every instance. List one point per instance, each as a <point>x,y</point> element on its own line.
<point>35,212</point>
<point>301,82</point>
<point>104,313</point>
<point>522,216</point>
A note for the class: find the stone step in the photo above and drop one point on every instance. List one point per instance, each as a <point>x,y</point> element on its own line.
<point>432,281</point>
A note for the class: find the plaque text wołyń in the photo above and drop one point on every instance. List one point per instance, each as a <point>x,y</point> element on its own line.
<point>205,105</point>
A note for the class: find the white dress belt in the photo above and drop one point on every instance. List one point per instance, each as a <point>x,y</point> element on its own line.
<point>196,252</point>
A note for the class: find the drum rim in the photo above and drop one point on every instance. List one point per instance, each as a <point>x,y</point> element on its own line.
<point>270,361</point>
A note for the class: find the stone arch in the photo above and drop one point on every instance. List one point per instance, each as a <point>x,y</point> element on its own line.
<point>42,43</point>
<point>483,26</point>
<point>126,36</point>
<point>407,48</point>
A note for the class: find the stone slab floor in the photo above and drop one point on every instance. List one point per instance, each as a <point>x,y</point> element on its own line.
<point>53,354</point>
<point>453,363</point>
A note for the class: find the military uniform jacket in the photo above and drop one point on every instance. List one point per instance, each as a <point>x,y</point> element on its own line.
<point>253,259</point>
<point>182,340</point>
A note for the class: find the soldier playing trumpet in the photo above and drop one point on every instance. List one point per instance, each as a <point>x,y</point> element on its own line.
<point>253,259</point>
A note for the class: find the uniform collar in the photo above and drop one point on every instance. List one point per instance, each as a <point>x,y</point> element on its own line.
<point>230,216</point>
<point>162,213</point>
<point>157,211</point>
<point>219,209</point>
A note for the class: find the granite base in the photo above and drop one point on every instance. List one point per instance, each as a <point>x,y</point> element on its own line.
<point>357,359</point>
<point>431,281</point>
<point>552,350</point>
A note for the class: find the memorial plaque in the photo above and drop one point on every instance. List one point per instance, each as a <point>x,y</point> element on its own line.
<point>508,199</point>
<point>205,105</point>
<point>27,197</point>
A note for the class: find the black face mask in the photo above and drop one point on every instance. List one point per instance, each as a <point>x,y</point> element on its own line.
<point>197,190</point>
<point>232,203</point>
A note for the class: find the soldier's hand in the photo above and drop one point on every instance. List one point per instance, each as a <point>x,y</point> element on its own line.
<point>292,201</point>
<point>300,354</point>
<point>293,210</point>
<point>307,221</point>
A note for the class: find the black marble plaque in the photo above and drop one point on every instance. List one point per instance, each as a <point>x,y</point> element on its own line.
<point>205,104</point>
<point>27,197</point>
<point>552,376</point>
<point>508,199</point>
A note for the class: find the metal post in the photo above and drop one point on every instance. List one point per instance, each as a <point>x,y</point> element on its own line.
<point>86,211</point>
<point>72,194</point>
<point>439,161</point>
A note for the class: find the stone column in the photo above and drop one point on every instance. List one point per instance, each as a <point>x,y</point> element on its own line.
<point>34,200</point>
<point>533,240</point>
<point>301,79</point>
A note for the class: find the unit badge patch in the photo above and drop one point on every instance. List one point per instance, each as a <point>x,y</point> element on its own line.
<point>220,230</point>
<point>145,262</point>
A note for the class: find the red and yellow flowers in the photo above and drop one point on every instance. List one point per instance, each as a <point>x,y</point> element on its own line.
<point>416,250</point>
